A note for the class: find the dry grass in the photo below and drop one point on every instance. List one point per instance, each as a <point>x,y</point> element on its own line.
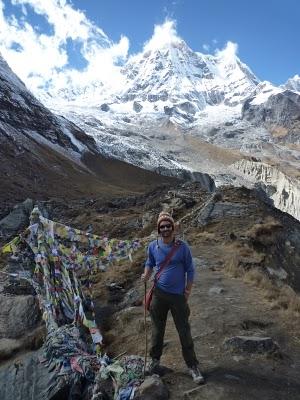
<point>124,273</point>
<point>239,258</point>
<point>206,236</point>
<point>244,263</point>
<point>288,299</point>
<point>282,298</point>
<point>264,233</point>
<point>259,279</point>
<point>279,131</point>
<point>233,268</point>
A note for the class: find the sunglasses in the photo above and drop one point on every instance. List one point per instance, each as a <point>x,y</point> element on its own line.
<point>166,226</point>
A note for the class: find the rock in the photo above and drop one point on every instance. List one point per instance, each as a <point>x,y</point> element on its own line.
<point>227,209</point>
<point>19,288</point>
<point>25,379</point>
<point>279,188</point>
<point>152,97</point>
<point>251,344</point>
<point>114,286</point>
<point>232,377</point>
<point>132,298</point>
<point>188,107</point>
<point>152,389</point>
<point>204,213</point>
<point>238,358</point>
<point>215,290</point>
<point>193,393</point>
<point>17,219</point>
<point>148,219</point>
<point>168,110</point>
<point>214,391</point>
<point>32,341</point>
<point>137,107</point>
<point>161,370</point>
<point>279,273</point>
<point>8,347</point>
<point>18,316</point>
<point>281,109</point>
<point>104,107</point>
<point>200,263</point>
<point>126,315</point>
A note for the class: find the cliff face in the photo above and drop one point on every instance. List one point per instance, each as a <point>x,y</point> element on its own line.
<point>282,190</point>
<point>280,113</point>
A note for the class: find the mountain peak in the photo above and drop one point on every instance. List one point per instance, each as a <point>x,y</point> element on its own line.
<point>293,83</point>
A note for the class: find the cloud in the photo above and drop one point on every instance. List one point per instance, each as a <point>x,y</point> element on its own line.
<point>163,35</point>
<point>42,60</point>
<point>39,50</point>
<point>229,52</point>
<point>227,57</point>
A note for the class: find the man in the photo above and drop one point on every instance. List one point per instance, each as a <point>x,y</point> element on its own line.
<point>171,292</point>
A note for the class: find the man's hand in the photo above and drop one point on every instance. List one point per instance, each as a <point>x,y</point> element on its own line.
<point>144,278</point>
<point>187,290</point>
<point>187,293</point>
<point>146,275</point>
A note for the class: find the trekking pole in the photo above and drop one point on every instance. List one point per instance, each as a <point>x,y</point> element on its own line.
<point>145,325</point>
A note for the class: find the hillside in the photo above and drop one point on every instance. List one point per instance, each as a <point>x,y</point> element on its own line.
<point>32,169</point>
<point>45,156</point>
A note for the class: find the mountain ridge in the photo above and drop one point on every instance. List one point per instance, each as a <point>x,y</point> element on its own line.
<point>172,94</point>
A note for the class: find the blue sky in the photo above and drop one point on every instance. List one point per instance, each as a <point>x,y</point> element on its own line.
<point>267,31</point>
<point>53,40</point>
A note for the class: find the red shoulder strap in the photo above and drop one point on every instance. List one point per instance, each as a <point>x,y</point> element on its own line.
<point>168,259</point>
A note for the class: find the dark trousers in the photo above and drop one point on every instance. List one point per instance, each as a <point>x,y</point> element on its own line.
<point>161,303</point>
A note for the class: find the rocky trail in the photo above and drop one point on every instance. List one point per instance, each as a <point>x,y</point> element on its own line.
<point>221,308</point>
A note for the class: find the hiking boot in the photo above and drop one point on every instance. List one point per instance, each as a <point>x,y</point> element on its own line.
<point>196,375</point>
<point>152,366</point>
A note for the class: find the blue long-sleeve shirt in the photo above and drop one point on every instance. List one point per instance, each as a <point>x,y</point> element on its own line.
<point>179,270</point>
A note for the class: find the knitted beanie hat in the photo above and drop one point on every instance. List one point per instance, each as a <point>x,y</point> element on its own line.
<point>165,216</point>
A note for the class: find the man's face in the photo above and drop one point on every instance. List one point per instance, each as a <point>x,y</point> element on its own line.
<point>166,229</point>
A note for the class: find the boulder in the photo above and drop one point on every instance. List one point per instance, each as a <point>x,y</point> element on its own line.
<point>215,290</point>
<point>8,347</point>
<point>17,219</point>
<point>251,344</point>
<point>132,298</point>
<point>152,389</point>
<point>26,378</point>
<point>18,316</point>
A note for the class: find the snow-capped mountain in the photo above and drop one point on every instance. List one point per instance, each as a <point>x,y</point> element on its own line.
<point>175,76</point>
<point>44,156</point>
<point>170,82</point>
<point>280,113</point>
<point>187,114</point>
<point>182,113</point>
<point>168,88</point>
<point>293,84</point>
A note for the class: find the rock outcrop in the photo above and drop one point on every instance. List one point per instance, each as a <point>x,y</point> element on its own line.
<point>283,191</point>
<point>280,113</point>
